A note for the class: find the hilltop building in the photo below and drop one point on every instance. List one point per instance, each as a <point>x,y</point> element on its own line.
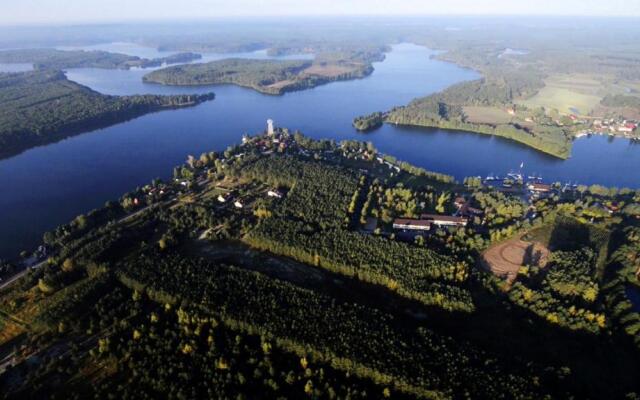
<point>270,128</point>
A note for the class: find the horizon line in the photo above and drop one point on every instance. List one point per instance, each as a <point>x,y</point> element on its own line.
<point>293,16</point>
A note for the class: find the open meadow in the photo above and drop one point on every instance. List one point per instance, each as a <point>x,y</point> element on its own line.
<point>569,94</point>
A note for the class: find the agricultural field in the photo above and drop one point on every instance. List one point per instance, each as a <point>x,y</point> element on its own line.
<point>569,94</point>
<point>330,70</point>
<point>487,115</point>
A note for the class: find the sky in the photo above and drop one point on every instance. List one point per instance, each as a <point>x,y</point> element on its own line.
<point>20,12</point>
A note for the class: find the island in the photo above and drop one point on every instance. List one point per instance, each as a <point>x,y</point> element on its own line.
<point>41,107</point>
<point>274,77</point>
<point>64,59</point>
<point>286,267</point>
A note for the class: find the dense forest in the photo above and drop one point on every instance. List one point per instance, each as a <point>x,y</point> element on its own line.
<point>43,106</point>
<point>251,274</point>
<point>369,122</point>
<point>266,76</point>
<point>63,59</point>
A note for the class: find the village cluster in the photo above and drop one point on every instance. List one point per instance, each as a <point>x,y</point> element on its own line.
<point>528,188</point>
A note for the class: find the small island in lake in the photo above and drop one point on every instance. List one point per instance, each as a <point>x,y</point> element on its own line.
<point>41,107</point>
<point>266,76</point>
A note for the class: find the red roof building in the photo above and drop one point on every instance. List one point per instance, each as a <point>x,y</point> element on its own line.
<point>539,187</point>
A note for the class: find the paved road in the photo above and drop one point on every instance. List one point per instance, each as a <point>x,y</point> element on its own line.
<point>20,274</point>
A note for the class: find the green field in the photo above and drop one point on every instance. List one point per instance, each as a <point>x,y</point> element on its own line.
<point>564,92</point>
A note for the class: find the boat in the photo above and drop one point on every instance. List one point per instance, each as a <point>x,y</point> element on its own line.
<point>515,176</point>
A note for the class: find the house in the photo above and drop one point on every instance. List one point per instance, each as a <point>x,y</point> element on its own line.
<point>459,202</point>
<point>614,207</point>
<point>627,127</point>
<point>539,187</point>
<point>445,220</point>
<point>412,224</point>
<point>221,198</point>
<point>237,204</point>
<point>275,193</point>
<point>467,211</point>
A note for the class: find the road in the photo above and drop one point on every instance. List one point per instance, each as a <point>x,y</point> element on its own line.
<point>7,283</point>
<point>21,274</point>
<point>40,264</point>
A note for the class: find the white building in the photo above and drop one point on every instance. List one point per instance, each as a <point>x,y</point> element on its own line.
<point>270,129</point>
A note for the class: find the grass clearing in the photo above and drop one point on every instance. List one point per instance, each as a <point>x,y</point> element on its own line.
<point>568,93</point>
<point>487,115</point>
<point>329,70</point>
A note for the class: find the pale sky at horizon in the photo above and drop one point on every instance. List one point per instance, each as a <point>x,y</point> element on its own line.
<point>75,11</point>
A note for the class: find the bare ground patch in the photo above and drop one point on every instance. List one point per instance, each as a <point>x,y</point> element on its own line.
<point>505,259</point>
<point>487,115</point>
<point>281,84</point>
<point>328,70</point>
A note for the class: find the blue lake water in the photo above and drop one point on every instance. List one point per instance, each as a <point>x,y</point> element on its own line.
<point>49,185</point>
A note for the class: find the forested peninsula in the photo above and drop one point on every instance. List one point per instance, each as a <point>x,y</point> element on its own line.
<point>487,108</point>
<point>273,77</point>
<point>63,59</point>
<point>292,268</point>
<point>41,107</point>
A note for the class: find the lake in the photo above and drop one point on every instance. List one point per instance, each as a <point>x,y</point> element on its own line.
<point>49,185</point>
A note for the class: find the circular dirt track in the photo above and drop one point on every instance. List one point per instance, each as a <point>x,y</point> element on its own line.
<point>506,258</point>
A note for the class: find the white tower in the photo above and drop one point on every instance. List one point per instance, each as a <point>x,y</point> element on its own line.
<point>270,130</point>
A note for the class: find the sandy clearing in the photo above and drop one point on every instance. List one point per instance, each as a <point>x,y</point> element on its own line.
<point>505,259</point>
